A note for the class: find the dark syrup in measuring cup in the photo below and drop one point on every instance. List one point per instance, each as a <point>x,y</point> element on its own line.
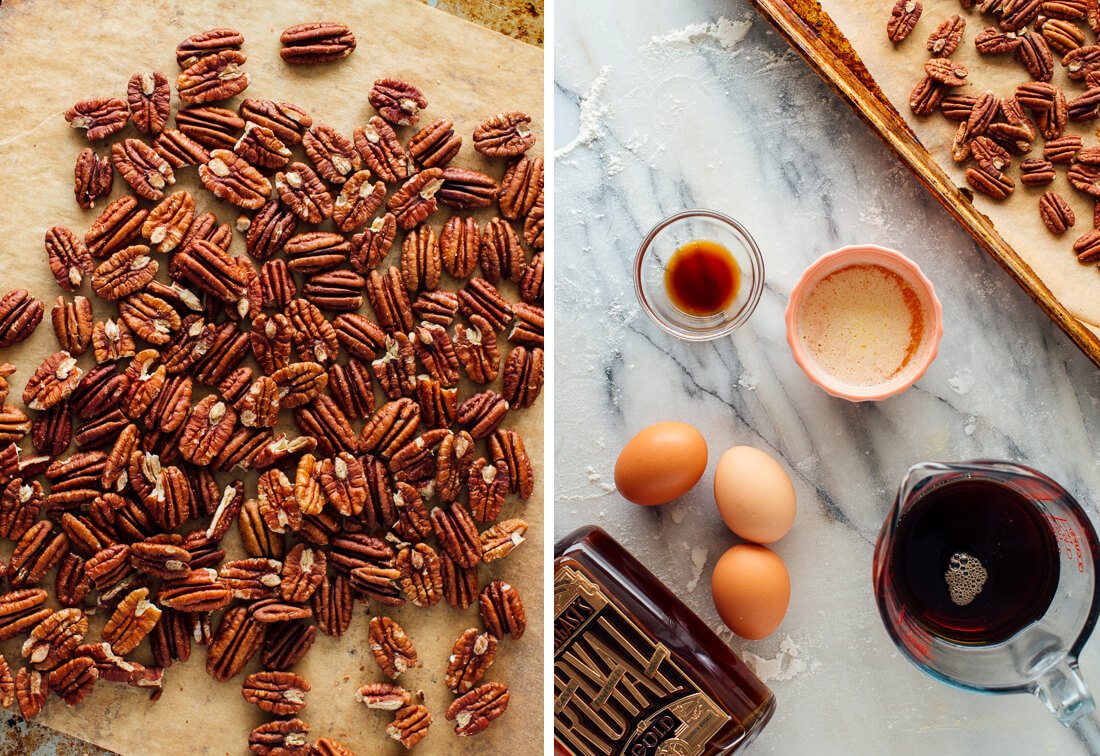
<point>975,562</point>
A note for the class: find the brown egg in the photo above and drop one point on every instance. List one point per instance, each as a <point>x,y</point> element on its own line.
<point>661,463</point>
<point>754,495</point>
<point>751,590</point>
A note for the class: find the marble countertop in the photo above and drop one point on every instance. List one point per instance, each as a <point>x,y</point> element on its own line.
<point>698,103</point>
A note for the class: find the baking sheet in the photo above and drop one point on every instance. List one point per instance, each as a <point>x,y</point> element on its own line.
<point>55,54</point>
<point>896,70</point>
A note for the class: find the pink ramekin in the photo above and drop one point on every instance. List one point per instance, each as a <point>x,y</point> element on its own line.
<point>867,254</point>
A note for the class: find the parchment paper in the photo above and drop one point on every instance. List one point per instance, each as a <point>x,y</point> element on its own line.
<point>53,54</point>
<point>897,69</point>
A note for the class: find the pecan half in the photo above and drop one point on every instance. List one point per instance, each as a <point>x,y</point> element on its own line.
<point>229,177</point>
<point>53,640</point>
<point>237,639</point>
<point>455,530</point>
<point>344,483</point>
<point>150,317</point>
<point>436,353</point>
<point>991,182</point>
<point>396,368</point>
<point>453,460</point>
<point>438,404</point>
<point>303,571</point>
<point>316,251</point>
<point>531,284</point>
<point>20,314</point>
<point>277,502</point>
<point>392,648</point>
<point>73,680</point>
<point>926,96</point>
<point>465,189</point>
<point>502,611</point>
<point>390,300</point>
<point>314,337</point>
<point>535,224</point>
<point>313,43</point>
<point>437,306</point>
<point>142,168</point>
<point>93,177</point>
<point>1062,36</point>
<point>7,685</point>
<point>72,324</point>
<point>213,77</point>
<point>357,202</point>
<point>52,430</point>
<point>286,121</point>
<point>459,583</point>
<point>14,424</point>
<point>210,126</point>
<point>476,710</point>
<point>258,540</point>
<point>279,693</point>
<point>1036,57</point>
<point>1056,213</point>
<point>286,643</point>
<point>207,430</point>
<point>323,420</point>
<point>52,382</point>
<point>410,725</point>
<point>131,622</point>
<point>421,579</point>
<point>303,192</point>
<point>1087,248</point>
<point>421,262</point>
<point>470,659</point>
<point>504,135</point>
<point>501,254</point>
<point>498,541</point>
<point>333,155</point>
<point>299,383</point>
<point>488,484</point>
<point>903,17</point>
<point>482,413</point>
<point>435,145</point>
<point>383,696</point>
<point>397,101</point>
<point>945,39</point>
<point>30,692</point>
<point>100,117</point>
<point>150,101</point>
<point>179,149</point>
<point>20,504</point>
<point>459,244</point>
<point>284,737</point>
<point>1085,178</point>
<point>415,200</point>
<point>371,246</point>
<point>118,225</point>
<point>479,297</point>
<point>1036,172</point>
<point>520,187</point>
<point>381,151</point>
<point>211,269</point>
<point>21,610</point>
<point>352,389</point>
<point>332,606</point>
<point>124,272</point>
<point>205,43</point>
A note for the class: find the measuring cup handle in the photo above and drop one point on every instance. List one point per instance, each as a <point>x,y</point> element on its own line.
<point>1062,690</point>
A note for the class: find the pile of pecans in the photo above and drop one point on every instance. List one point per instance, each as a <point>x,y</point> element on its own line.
<point>385,501</point>
<point>994,129</point>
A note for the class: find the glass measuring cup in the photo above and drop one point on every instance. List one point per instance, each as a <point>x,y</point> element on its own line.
<point>1039,657</point>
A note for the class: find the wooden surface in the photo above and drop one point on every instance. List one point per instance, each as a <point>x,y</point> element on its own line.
<point>814,36</point>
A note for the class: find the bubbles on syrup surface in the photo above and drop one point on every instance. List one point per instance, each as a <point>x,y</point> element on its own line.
<point>965,578</point>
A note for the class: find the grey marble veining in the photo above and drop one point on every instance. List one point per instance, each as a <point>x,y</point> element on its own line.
<point>669,107</point>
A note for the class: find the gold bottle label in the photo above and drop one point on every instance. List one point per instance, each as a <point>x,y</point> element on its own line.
<point>617,691</point>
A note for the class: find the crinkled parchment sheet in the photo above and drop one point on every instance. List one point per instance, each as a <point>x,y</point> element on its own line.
<point>53,54</point>
<point>897,69</point>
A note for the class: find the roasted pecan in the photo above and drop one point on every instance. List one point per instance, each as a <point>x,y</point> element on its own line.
<point>421,263</point>
<point>142,382</point>
<point>520,187</point>
<point>208,428</point>
<point>269,231</point>
<point>502,610</point>
<point>481,413</point>
<point>332,154</point>
<point>142,168</point>
<point>453,460</point>
<point>170,639</point>
<point>397,101</point>
<point>163,489</point>
<point>211,269</point>
<point>955,107</point>
<point>488,484</point>
<point>131,622</point>
<point>92,178</point>
<point>479,297</point>
<point>229,177</point>
<point>1036,57</point>
<point>110,565</point>
<point>100,117</point>
<point>926,96</point>
<point>20,314</point>
<point>389,300</point>
<point>499,540</point>
<point>332,606</point>
<point>530,285</point>
<point>1062,36</point>
<point>316,251</point>
<point>252,579</point>
<point>396,368</point>
<point>179,149</point>
<point>903,17</point>
<point>278,506</point>
<point>947,72</point>
<point>392,648</point>
<point>53,640</point>
<point>314,337</point>
<point>235,642</point>
<point>344,483</point>
<point>390,427</point>
<point>150,100</point>
<point>258,540</point>
<point>465,189</point>
<point>945,39</point>
<point>420,579</point>
<point>7,685</point>
<point>318,42</point>
<point>1036,172</point>
<point>286,643</point>
<point>535,224</point>
<point>459,583</point>
<point>73,680</point>
<point>993,41</point>
<point>299,383</point>
<point>260,405</point>
<point>413,522</point>
<point>1016,14</point>
<point>276,286</point>
<point>357,201</point>
<point>383,696</point>
<point>118,225</point>
<point>435,145</point>
<point>1081,62</point>
<point>72,584</point>
<point>528,327</point>
<point>303,571</point>
<point>1056,213</point>
<point>212,127</point>
<point>260,147</point>
<point>124,272</point>
<point>991,182</point>
<point>436,353</point>
<point>455,530</point>
<point>501,254</point>
<point>415,200</point>
<point>213,77</point>
<point>14,424</point>
<point>459,245</point>
<point>381,151</point>
<point>476,710</point>
<point>52,430</point>
<point>206,43</point>
<point>470,659</point>
<point>52,382</point>
<point>437,306</point>
<point>324,420</point>
<point>274,611</point>
<point>351,388</point>
<point>197,591</point>
<point>219,352</point>
<point>20,504</point>
<point>21,610</point>
<point>1085,178</point>
<point>302,191</point>
<point>271,337</point>
<point>438,404</point>
<point>279,693</point>
<point>410,725</point>
<point>30,692</point>
<point>168,222</point>
<point>6,371</point>
<point>72,324</point>
<point>150,317</point>
<point>504,135</point>
<point>1087,248</point>
<point>162,556</point>
<point>371,246</point>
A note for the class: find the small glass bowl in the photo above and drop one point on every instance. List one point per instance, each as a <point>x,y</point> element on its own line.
<point>657,249</point>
